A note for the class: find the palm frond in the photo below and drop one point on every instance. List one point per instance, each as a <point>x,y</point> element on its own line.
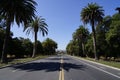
<point>21,11</point>
<point>92,12</point>
<point>37,25</point>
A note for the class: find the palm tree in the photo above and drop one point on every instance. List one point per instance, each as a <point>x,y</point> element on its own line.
<point>38,24</point>
<point>20,11</point>
<point>118,9</point>
<point>92,14</point>
<point>81,34</point>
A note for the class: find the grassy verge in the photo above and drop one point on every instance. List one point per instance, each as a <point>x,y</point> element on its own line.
<point>22,60</point>
<point>109,63</point>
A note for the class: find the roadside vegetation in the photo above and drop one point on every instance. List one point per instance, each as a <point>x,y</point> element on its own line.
<point>14,61</point>
<point>103,42</point>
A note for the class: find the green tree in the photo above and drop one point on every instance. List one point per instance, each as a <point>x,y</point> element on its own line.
<point>16,48</point>
<point>39,48</point>
<point>27,47</point>
<point>81,35</point>
<point>118,9</point>
<point>92,14</point>
<point>38,24</point>
<point>20,11</point>
<point>20,47</point>
<point>89,47</point>
<point>49,46</point>
<point>73,48</point>
<point>101,30</point>
<point>113,36</point>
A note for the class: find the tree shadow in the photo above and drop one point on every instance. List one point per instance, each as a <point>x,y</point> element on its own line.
<point>68,66</point>
<point>47,66</point>
<point>37,66</point>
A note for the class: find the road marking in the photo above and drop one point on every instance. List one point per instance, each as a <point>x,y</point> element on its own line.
<point>99,69</point>
<point>103,68</point>
<point>61,74</point>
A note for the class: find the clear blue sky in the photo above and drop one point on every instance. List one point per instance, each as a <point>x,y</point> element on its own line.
<point>63,18</point>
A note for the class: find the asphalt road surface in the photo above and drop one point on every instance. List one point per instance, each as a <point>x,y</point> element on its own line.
<point>55,67</point>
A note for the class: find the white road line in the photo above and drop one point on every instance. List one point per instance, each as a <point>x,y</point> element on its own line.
<point>100,69</point>
<point>97,63</point>
<point>103,68</point>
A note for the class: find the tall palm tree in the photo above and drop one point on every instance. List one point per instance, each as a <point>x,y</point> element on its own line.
<point>92,14</point>
<point>20,11</point>
<point>118,9</point>
<point>81,34</point>
<point>38,24</point>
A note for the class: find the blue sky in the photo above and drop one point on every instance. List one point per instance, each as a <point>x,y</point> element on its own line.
<point>63,18</point>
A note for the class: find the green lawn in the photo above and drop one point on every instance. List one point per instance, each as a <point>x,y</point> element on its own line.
<point>21,60</point>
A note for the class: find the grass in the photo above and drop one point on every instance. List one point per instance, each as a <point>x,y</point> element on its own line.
<point>21,60</point>
<point>109,63</point>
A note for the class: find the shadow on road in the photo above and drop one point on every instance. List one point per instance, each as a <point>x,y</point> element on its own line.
<point>68,66</point>
<point>47,66</point>
<point>57,59</point>
<point>36,66</point>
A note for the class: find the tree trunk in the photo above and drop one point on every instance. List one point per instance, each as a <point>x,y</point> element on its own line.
<point>94,41</point>
<point>5,45</point>
<point>83,48</point>
<point>35,46</point>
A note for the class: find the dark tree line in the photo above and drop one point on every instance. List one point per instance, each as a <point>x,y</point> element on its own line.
<point>21,47</point>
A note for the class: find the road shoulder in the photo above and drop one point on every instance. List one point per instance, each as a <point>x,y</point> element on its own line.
<point>96,63</point>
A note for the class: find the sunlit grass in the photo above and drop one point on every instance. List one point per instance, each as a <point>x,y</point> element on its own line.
<point>109,63</point>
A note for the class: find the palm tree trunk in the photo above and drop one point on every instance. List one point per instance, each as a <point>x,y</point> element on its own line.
<point>5,45</point>
<point>35,46</point>
<point>83,48</point>
<point>94,41</point>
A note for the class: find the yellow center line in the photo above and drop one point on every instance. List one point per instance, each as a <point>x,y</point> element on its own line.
<point>61,74</point>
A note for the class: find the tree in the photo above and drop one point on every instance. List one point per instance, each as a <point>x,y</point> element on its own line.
<point>2,33</point>
<point>21,11</point>
<point>49,46</point>
<point>16,48</point>
<point>27,46</point>
<point>81,35</point>
<point>20,47</point>
<point>101,30</point>
<point>92,14</point>
<point>113,36</point>
<point>73,48</point>
<point>39,48</point>
<point>89,47</point>
<point>38,24</point>
<point>2,22</point>
<point>118,9</point>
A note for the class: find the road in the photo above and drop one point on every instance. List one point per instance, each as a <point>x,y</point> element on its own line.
<point>59,68</point>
